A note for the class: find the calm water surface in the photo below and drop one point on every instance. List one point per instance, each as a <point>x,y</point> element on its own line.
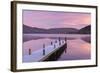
<point>78,45</point>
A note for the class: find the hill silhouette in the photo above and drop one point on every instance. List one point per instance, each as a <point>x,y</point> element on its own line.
<point>33,30</point>
<point>27,29</point>
<point>85,30</point>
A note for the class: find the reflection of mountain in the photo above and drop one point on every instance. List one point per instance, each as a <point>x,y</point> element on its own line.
<point>85,30</point>
<point>87,39</point>
<point>27,29</point>
<point>62,30</point>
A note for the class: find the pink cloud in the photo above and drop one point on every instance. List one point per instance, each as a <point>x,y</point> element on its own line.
<point>51,19</point>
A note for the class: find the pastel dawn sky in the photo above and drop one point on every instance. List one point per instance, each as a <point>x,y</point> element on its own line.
<point>53,19</point>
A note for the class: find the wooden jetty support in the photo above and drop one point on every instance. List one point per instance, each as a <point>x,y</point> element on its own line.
<point>54,55</point>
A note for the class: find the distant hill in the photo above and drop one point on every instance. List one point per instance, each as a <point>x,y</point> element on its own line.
<point>27,29</point>
<point>85,30</point>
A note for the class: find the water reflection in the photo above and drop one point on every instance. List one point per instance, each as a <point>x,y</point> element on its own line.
<point>78,46</point>
<point>77,49</point>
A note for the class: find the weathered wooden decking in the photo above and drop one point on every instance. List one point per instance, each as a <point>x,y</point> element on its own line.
<point>55,54</point>
<point>49,53</point>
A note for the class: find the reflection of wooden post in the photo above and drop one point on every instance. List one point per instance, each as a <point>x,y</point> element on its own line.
<point>65,50</point>
<point>29,51</point>
<point>54,46</point>
<point>43,45</point>
<point>43,49</point>
<point>66,44</point>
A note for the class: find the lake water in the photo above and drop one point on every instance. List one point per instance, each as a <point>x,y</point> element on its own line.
<point>78,45</point>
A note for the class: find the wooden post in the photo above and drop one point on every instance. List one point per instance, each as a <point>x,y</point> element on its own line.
<point>55,41</point>
<point>59,38</point>
<point>65,39</point>
<point>43,49</point>
<point>29,51</point>
<point>51,43</point>
<point>59,41</point>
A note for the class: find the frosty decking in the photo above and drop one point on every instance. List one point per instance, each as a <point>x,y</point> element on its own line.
<point>48,53</point>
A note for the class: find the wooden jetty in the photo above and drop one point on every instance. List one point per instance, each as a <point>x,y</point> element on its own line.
<point>48,53</point>
<point>55,54</point>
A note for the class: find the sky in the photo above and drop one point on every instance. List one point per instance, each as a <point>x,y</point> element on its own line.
<point>56,19</point>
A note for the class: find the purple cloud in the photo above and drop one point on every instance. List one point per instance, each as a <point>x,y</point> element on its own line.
<point>53,19</point>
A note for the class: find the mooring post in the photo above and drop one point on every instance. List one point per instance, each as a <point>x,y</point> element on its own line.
<point>59,41</point>
<point>51,43</point>
<point>59,38</point>
<point>29,51</point>
<point>65,39</point>
<point>55,41</point>
<point>43,49</point>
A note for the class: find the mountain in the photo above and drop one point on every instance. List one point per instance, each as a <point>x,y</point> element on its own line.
<point>27,29</point>
<point>85,30</point>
